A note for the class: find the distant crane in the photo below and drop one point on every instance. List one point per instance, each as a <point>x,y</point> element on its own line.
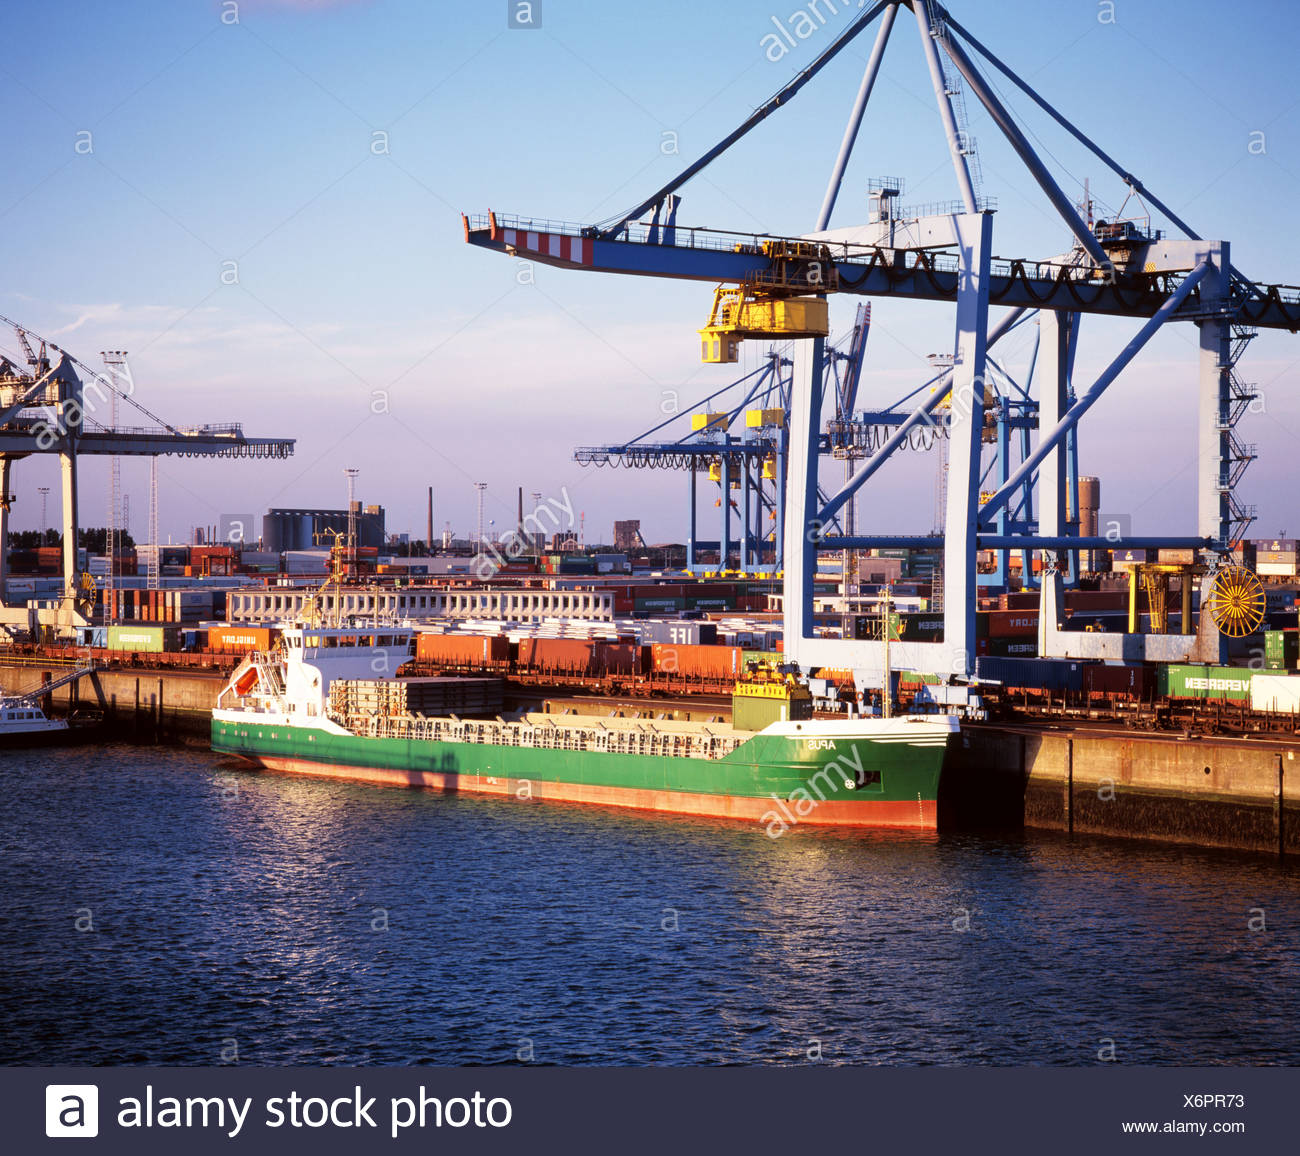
<point>55,404</point>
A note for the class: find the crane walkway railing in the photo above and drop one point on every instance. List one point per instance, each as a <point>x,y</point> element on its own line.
<point>927,261</point>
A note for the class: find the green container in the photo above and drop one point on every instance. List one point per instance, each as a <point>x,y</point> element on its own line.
<point>761,657</point>
<point>1210,683</point>
<point>1281,649</point>
<point>143,638</point>
<point>657,605</point>
<point>753,714</point>
<point>714,602</point>
<point>916,678</point>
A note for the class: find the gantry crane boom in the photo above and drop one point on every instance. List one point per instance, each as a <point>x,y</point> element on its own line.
<point>697,254</point>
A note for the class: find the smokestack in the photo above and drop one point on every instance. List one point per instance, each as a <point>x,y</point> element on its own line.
<point>519,528</point>
<point>428,538</point>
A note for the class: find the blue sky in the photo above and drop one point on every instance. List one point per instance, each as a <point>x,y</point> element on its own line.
<point>251,142</point>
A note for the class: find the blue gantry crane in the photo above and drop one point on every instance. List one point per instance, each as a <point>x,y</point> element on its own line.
<point>738,441</point>
<point>777,287</point>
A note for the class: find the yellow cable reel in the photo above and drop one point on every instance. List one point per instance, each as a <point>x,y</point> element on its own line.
<point>1237,602</point>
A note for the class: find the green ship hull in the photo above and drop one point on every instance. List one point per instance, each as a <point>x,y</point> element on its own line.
<point>871,773</point>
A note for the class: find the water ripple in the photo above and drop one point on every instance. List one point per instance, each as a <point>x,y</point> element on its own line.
<point>164,907</point>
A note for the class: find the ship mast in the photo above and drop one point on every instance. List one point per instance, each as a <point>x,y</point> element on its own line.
<point>886,689</point>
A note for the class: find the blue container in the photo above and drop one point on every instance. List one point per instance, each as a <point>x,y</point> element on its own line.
<point>1031,673</point>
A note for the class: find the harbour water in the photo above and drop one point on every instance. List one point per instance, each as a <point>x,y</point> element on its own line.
<point>163,906</point>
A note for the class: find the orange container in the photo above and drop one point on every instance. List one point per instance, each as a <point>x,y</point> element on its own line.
<point>462,650</point>
<point>558,655</point>
<point>719,663</point>
<point>241,639</point>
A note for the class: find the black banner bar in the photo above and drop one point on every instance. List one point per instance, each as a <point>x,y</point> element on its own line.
<point>673,1111</point>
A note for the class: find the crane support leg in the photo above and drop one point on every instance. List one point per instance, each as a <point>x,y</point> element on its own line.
<point>1056,331</point>
<point>1213,435</point>
<point>5,464</point>
<point>68,476</point>
<point>806,521</point>
<point>965,432</point>
<point>694,532</point>
<point>801,526</point>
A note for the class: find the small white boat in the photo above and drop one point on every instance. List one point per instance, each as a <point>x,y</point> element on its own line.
<point>23,724</point>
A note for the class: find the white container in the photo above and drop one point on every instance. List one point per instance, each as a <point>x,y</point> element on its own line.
<point>1275,692</point>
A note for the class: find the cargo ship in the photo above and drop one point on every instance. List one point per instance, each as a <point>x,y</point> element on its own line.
<point>327,702</point>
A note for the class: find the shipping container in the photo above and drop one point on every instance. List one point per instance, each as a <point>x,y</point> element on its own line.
<point>1007,647</point>
<point>1007,624</point>
<point>1130,682</point>
<point>1281,649</point>
<point>556,656</point>
<point>1018,600</point>
<point>139,639</point>
<point>682,633</point>
<point>1086,600</point>
<point>659,604</point>
<point>468,651</point>
<point>1042,674</point>
<point>1208,683</point>
<point>717,663</point>
<point>922,627</point>
<point>241,639</point>
<point>1275,692</point>
<point>619,658</point>
<point>915,678</point>
<point>710,601</point>
<point>757,707</point>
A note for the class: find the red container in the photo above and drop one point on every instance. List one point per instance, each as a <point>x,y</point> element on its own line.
<point>618,658</point>
<point>1127,683</point>
<point>1098,599</point>
<point>481,652</point>
<point>1010,624</point>
<point>717,663</point>
<point>1025,600</point>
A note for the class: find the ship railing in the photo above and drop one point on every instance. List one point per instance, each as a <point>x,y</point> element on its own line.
<point>601,739</point>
